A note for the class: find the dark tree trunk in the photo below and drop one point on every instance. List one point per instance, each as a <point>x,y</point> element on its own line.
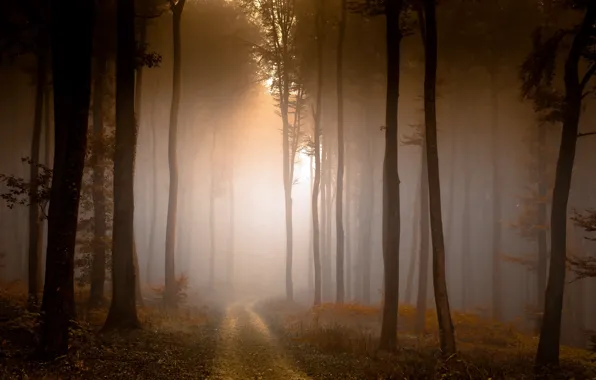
<point>466,225</point>
<point>391,205</point>
<point>550,333</point>
<point>422,294</point>
<point>325,254</point>
<point>72,91</point>
<point>35,217</point>
<point>98,266</point>
<point>316,229</point>
<point>446,331</point>
<point>541,234</point>
<point>339,278</point>
<point>171,291</point>
<point>496,201</point>
<point>123,309</point>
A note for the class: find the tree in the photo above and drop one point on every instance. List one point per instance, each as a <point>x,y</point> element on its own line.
<point>584,267</point>
<point>391,203</point>
<point>538,72</point>
<point>170,292</point>
<point>429,31</point>
<point>101,46</point>
<point>72,81</point>
<point>340,159</point>
<point>319,27</point>
<point>123,312</point>
<point>276,55</point>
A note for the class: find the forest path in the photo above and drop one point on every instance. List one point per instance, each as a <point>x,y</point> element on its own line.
<point>247,349</point>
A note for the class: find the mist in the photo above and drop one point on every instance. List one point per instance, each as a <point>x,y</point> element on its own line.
<point>497,156</point>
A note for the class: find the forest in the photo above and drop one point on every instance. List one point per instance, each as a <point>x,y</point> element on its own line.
<point>297,189</point>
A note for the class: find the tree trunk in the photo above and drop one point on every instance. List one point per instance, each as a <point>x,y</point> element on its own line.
<point>446,332</point>
<point>319,25</point>
<point>348,224</point>
<point>339,278</point>
<point>171,291</point>
<point>35,218</point>
<point>98,268</point>
<point>311,252</point>
<point>391,205</point>
<point>541,234</point>
<point>72,80</point>
<point>231,253</point>
<point>325,259</point>
<point>123,310</point>
<point>152,250</point>
<point>422,294</point>
<point>367,204</point>
<point>550,332</point>
<point>212,214</point>
<point>496,201</point>
<point>466,225</point>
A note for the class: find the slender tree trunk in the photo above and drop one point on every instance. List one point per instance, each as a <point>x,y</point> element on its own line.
<point>367,204</point>
<point>496,201</point>
<point>231,254</point>
<point>391,204</point>
<point>550,332</point>
<point>319,28</point>
<point>171,291</point>
<point>135,261</point>
<point>98,269</point>
<point>72,82</point>
<point>466,226</point>
<point>152,250</point>
<point>541,237</point>
<point>325,264</point>
<point>212,215</point>
<point>123,310</point>
<point>47,160</point>
<point>348,225</point>
<point>446,331</point>
<point>35,218</point>
<point>422,295</point>
<point>311,252</point>
<point>339,278</point>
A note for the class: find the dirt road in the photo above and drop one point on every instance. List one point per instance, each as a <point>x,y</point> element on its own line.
<point>246,349</point>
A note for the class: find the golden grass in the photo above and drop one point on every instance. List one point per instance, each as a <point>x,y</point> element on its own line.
<point>486,348</point>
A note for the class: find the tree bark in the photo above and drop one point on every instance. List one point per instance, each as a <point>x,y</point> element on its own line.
<point>339,278</point>
<point>123,309</point>
<point>541,235</point>
<point>446,331</point>
<point>171,291</point>
<point>550,332</point>
<point>35,217</point>
<point>422,295</point>
<point>319,25</point>
<point>391,202</point>
<point>496,201</point>
<point>212,213</point>
<point>72,80</point>
<point>98,268</point>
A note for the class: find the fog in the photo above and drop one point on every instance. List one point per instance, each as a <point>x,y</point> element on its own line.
<point>229,152</point>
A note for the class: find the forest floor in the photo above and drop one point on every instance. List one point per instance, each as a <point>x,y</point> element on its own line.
<point>271,340</point>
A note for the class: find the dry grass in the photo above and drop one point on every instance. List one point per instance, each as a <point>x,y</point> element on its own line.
<point>487,349</point>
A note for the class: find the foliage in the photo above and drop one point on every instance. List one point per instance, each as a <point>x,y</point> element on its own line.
<point>584,267</point>
<point>181,289</point>
<point>488,349</point>
<point>21,192</point>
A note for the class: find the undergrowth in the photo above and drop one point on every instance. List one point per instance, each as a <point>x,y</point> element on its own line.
<point>170,344</point>
<point>486,349</point>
